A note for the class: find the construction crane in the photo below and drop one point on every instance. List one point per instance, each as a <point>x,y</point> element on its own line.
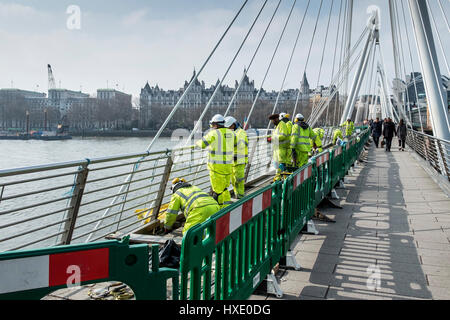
<point>51,79</point>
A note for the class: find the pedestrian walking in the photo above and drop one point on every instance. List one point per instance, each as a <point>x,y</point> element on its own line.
<point>376,131</point>
<point>389,132</point>
<point>401,133</point>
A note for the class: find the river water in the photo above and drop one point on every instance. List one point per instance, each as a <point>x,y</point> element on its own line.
<point>24,153</point>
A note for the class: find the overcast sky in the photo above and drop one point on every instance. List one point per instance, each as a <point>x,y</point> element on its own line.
<point>124,44</point>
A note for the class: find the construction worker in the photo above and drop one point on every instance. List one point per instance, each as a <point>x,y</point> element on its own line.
<point>337,134</point>
<point>317,143</point>
<point>281,139</point>
<point>197,205</point>
<point>220,142</point>
<point>240,156</point>
<point>348,127</point>
<point>300,140</point>
<point>285,118</point>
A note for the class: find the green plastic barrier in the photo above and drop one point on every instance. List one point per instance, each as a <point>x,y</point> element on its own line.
<point>230,254</point>
<point>32,274</point>
<point>322,173</point>
<point>337,165</point>
<point>298,204</point>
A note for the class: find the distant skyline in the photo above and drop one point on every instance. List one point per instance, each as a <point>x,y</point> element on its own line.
<point>131,42</point>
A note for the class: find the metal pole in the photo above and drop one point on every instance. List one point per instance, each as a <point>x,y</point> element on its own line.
<point>348,41</point>
<point>430,69</point>
<point>359,75</point>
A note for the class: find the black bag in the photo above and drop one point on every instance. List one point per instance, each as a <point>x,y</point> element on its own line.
<point>169,255</point>
<point>383,142</point>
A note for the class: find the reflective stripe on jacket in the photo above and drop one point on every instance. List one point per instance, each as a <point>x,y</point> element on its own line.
<point>319,132</point>
<point>241,148</point>
<point>221,143</point>
<point>300,138</point>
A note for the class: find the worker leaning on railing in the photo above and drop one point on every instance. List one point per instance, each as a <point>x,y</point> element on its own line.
<point>240,156</point>
<point>196,205</point>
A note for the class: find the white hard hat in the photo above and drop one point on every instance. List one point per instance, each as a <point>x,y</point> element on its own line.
<point>229,121</point>
<point>282,115</point>
<point>218,118</point>
<point>299,116</point>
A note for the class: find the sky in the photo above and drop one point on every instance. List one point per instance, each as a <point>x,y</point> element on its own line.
<point>124,44</point>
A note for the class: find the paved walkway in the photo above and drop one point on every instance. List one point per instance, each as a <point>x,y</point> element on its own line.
<point>394,227</point>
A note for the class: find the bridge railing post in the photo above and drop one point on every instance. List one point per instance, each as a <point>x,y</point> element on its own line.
<point>75,203</point>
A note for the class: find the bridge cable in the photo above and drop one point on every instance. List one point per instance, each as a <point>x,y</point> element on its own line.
<point>444,15</point>
<point>309,54</point>
<point>438,36</point>
<point>219,85</point>
<point>173,111</point>
<point>289,63</point>
<point>323,52</point>
<point>402,54</point>
<point>251,61</point>
<point>270,65</point>
<point>412,66</point>
<point>334,61</point>
<point>439,81</point>
<point>338,75</point>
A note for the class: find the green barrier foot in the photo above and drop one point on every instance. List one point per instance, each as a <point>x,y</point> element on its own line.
<point>273,287</point>
<point>289,262</point>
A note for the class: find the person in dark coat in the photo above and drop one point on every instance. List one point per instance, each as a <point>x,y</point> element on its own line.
<point>376,131</point>
<point>401,133</point>
<point>389,132</point>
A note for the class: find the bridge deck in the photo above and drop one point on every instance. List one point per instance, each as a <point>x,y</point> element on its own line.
<point>395,219</point>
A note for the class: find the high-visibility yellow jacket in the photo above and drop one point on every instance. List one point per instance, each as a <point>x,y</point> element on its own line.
<point>300,137</point>
<point>221,144</point>
<point>195,204</point>
<point>289,126</point>
<point>337,134</point>
<point>241,148</point>
<point>319,132</point>
<point>280,140</point>
<point>348,127</point>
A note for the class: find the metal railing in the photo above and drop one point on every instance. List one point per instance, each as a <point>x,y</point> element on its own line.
<point>86,200</point>
<point>433,150</point>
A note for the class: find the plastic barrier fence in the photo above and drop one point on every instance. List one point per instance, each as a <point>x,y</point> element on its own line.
<point>322,172</point>
<point>229,255</point>
<point>298,204</point>
<point>32,274</point>
<point>225,257</point>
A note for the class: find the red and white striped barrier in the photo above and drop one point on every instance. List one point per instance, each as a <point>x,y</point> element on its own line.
<point>338,151</point>
<point>302,176</point>
<point>229,222</point>
<point>53,270</point>
<point>322,159</point>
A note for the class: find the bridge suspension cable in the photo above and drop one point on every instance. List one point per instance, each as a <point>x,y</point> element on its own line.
<point>128,178</point>
<point>219,85</point>
<point>270,65</point>
<point>289,63</point>
<point>251,60</point>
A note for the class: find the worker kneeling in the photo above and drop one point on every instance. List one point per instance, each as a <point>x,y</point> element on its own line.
<point>300,145</point>
<point>221,142</point>
<point>197,205</point>
<point>240,156</point>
